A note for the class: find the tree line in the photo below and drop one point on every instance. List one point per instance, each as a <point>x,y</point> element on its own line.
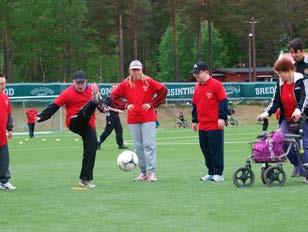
<point>47,40</point>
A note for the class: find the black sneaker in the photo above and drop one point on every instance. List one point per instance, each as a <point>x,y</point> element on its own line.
<point>123,147</point>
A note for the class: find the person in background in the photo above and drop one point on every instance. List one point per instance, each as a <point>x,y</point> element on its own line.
<point>6,128</point>
<point>181,117</point>
<point>143,95</point>
<point>296,47</point>
<point>157,121</point>
<point>209,115</point>
<point>80,101</point>
<point>290,98</point>
<point>31,114</point>
<point>113,122</point>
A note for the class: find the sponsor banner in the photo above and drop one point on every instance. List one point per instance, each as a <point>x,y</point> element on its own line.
<point>176,91</point>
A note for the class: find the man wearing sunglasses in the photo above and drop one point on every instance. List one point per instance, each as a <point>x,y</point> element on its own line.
<point>209,114</point>
<point>80,101</point>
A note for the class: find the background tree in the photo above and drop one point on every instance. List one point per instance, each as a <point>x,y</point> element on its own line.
<point>6,6</point>
<point>48,40</point>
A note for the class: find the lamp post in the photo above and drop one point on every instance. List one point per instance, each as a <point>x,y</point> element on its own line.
<point>253,45</point>
<point>249,54</point>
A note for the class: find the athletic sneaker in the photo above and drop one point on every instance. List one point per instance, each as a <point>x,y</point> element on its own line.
<point>141,177</point>
<point>305,180</point>
<point>218,178</point>
<point>152,177</point>
<point>97,97</point>
<point>87,184</point>
<point>7,186</point>
<point>206,178</point>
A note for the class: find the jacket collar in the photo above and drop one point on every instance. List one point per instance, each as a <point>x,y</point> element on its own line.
<point>297,76</point>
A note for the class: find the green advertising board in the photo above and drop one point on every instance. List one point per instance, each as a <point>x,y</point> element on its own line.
<point>176,91</point>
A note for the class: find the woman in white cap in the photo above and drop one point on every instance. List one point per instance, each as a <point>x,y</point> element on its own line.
<point>143,95</point>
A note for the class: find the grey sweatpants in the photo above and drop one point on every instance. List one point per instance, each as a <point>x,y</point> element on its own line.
<point>144,139</point>
<point>5,174</point>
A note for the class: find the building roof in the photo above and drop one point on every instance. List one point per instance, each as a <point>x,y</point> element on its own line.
<point>244,70</point>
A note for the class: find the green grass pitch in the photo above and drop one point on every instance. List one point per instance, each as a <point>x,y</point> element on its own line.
<point>46,172</point>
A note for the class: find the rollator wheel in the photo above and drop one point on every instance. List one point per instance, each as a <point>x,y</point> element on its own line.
<point>243,177</point>
<point>263,169</point>
<point>274,176</point>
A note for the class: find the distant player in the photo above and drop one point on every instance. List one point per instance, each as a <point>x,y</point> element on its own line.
<point>113,122</point>
<point>30,115</point>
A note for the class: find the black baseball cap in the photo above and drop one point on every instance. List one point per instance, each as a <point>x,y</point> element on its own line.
<point>199,66</point>
<point>79,75</point>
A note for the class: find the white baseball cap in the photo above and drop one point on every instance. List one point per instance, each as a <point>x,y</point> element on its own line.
<point>135,64</point>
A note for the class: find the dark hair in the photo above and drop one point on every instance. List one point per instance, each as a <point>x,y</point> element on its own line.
<point>1,75</point>
<point>296,44</point>
<point>284,65</point>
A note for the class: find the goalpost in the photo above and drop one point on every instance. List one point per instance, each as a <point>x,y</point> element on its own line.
<point>19,106</point>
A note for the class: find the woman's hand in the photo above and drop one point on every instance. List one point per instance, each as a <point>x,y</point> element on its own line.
<point>130,107</point>
<point>296,115</point>
<point>262,116</point>
<point>146,106</point>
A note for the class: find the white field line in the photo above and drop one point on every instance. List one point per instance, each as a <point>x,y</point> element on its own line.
<point>79,148</point>
<point>45,148</point>
<point>195,143</point>
<point>129,142</point>
<point>194,136</point>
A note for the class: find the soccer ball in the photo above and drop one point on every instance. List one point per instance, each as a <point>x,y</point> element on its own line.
<point>127,161</point>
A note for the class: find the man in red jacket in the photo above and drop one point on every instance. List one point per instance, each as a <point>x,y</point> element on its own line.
<point>6,127</point>
<point>31,114</point>
<point>80,101</point>
<point>209,114</point>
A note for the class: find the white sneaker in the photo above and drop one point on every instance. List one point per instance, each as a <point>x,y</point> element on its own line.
<point>152,177</point>
<point>218,178</point>
<point>305,180</point>
<point>142,177</point>
<point>7,186</point>
<point>87,184</point>
<point>206,178</point>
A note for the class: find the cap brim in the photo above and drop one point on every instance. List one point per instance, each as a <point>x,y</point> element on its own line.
<point>194,71</point>
<point>135,67</point>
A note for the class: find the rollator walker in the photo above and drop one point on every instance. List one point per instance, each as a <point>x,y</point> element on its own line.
<point>269,150</point>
